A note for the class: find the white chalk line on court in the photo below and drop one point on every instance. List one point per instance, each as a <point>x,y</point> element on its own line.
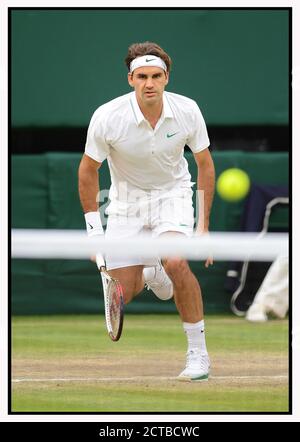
<point>144,378</point>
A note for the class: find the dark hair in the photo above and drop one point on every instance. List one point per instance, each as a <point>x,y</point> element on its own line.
<point>147,48</point>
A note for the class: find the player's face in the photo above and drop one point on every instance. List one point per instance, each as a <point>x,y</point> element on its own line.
<point>149,84</point>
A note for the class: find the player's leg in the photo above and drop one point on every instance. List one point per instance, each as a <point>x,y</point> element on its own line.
<point>187,291</point>
<point>188,300</point>
<point>131,280</point>
<point>177,218</point>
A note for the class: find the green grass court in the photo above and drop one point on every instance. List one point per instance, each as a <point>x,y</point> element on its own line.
<point>68,364</point>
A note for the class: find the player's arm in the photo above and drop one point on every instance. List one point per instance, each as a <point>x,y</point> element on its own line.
<point>88,185</point>
<point>205,187</point>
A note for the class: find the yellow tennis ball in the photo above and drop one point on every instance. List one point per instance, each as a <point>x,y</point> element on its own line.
<point>233,184</point>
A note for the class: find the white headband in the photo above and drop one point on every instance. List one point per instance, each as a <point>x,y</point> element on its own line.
<point>147,60</point>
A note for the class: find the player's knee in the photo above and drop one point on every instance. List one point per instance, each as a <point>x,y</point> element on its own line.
<point>176,268</point>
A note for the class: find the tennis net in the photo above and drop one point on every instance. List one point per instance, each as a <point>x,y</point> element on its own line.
<point>74,244</point>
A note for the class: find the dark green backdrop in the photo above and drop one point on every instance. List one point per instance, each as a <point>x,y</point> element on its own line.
<point>45,196</point>
<point>65,63</point>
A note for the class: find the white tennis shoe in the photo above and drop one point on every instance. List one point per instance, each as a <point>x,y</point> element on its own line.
<point>197,367</point>
<point>158,281</point>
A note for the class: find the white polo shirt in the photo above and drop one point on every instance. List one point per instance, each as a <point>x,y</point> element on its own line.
<point>140,156</point>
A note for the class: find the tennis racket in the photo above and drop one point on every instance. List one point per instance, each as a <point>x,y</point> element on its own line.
<point>113,301</point>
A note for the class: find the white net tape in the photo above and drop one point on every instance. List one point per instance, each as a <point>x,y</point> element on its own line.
<point>74,244</point>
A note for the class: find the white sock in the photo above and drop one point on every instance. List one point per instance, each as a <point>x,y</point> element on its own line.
<point>195,334</point>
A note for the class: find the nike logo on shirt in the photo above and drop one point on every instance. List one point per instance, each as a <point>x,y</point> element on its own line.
<point>172,135</point>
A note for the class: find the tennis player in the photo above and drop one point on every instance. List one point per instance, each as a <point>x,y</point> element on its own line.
<point>142,135</point>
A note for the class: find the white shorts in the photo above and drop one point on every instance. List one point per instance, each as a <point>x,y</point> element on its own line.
<point>153,214</point>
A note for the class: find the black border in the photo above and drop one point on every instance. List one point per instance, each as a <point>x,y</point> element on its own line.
<point>9,344</point>
<point>112,424</point>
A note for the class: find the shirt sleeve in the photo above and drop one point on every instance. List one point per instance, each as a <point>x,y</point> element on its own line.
<point>96,146</point>
<point>198,139</point>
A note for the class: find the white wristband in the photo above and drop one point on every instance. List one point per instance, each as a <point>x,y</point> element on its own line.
<point>93,223</point>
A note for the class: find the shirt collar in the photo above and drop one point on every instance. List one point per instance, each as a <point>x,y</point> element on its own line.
<point>167,111</point>
<point>139,117</point>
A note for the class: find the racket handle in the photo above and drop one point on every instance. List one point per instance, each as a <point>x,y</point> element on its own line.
<point>100,261</point>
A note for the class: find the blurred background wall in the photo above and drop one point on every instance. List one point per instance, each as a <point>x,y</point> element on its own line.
<point>234,63</point>
<point>65,63</point>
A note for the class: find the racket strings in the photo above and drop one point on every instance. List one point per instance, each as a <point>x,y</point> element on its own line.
<point>114,303</point>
